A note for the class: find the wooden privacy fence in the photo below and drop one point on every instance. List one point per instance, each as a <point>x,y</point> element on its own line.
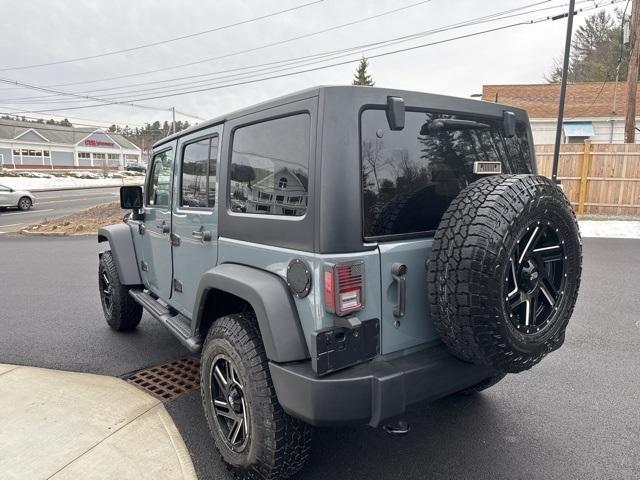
<point>598,178</point>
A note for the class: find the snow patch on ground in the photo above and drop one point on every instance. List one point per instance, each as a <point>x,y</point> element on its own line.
<point>610,228</point>
<point>35,184</point>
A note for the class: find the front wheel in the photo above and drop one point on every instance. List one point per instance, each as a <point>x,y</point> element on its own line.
<point>24,203</point>
<point>252,433</point>
<point>120,310</point>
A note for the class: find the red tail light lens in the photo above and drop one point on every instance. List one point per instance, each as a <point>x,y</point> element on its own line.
<point>344,287</point>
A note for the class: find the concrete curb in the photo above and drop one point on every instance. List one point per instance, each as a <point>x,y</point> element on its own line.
<point>28,233</point>
<point>67,425</point>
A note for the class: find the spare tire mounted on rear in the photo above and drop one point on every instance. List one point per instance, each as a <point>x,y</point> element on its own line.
<point>504,271</point>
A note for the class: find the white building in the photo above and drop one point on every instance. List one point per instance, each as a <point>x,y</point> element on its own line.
<point>280,193</point>
<point>593,111</point>
<point>35,145</point>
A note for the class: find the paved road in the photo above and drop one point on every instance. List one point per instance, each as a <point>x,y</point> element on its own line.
<point>55,204</point>
<point>576,415</point>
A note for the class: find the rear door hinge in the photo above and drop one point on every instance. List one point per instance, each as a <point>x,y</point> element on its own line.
<point>177,285</point>
<point>144,266</point>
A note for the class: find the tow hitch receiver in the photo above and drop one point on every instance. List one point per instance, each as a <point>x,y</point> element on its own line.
<point>397,429</point>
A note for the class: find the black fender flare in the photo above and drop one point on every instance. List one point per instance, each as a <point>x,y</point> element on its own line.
<point>120,241</point>
<point>271,301</point>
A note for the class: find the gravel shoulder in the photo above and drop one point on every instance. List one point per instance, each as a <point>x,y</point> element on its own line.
<point>86,221</point>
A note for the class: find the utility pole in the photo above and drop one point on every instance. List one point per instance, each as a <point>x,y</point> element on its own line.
<point>563,88</point>
<point>632,76</point>
<point>173,122</point>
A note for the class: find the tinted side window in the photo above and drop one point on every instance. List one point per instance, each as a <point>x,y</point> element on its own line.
<point>270,167</point>
<point>411,176</point>
<point>159,192</point>
<point>199,173</point>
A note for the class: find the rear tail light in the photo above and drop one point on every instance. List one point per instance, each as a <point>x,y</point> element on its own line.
<point>344,287</point>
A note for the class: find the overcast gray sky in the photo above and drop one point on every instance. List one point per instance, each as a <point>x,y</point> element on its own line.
<point>41,31</point>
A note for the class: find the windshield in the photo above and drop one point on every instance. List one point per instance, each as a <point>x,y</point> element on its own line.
<point>410,176</point>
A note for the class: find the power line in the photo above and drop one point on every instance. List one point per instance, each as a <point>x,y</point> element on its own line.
<point>99,123</point>
<point>179,91</point>
<point>260,47</point>
<point>87,97</point>
<point>161,42</point>
<point>328,55</point>
<point>469,35</point>
<point>503,15</point>
<point>333,64</point>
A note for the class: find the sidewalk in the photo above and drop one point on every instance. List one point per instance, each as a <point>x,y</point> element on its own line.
<point>65,425</point>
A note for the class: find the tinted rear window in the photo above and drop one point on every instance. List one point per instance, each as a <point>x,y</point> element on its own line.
<point>409,177</point>
<point>270,167</point>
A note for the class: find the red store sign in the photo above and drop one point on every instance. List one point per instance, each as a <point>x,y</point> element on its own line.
<point>98,143</point>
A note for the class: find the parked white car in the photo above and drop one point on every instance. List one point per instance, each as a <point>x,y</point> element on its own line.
<point>22,199</point>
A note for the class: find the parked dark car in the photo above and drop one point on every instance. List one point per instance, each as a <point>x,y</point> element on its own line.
<point>136,167</point>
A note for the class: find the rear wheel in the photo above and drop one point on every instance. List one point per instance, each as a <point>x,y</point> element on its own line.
<point>252,433</point>
<point>24,203</point>
<point>121,311</point>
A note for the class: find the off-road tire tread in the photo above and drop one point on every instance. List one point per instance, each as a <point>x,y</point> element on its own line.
<point>286,440</point>
<point>126,313</point>
<point>472,236</point>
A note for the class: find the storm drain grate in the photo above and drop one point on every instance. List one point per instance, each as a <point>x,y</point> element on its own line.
<point>168,380</point>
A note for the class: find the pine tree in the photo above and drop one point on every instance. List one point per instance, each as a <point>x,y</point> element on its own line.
<point>362,77</point>
<point>595,51</point>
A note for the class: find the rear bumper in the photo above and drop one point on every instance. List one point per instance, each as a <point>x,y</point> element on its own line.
<point>374,392</point>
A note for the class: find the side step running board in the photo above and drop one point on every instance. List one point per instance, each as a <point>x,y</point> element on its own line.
<point>177,323</point>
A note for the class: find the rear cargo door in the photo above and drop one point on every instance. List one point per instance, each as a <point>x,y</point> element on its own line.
<point>409,179</point>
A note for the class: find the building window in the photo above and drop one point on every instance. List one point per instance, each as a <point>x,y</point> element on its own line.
<point>99,156</point>
<point>131,157</point>
<point>36,153</point>
<point>265,196</point>
<point>266,158</point>
<point>113,156</point>
<point>85,155</point>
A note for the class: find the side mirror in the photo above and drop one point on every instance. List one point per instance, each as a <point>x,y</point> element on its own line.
<point>509,123</point>
<point>131,198</point>
<point>395,113</point>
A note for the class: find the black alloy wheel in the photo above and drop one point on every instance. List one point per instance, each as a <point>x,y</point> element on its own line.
<point>106,292</point>
<point>536,278</point>
<point>228,403</point>
<point>121,311</point>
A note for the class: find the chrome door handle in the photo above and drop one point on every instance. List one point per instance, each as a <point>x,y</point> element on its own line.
<point>398,272</point>
<point>163,226</point>
<point>202,235</point>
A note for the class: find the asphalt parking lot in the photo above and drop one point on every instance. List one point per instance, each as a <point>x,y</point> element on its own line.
<point>576,415</point>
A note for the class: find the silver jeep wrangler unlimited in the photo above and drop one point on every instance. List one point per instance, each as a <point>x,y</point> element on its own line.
<point>341,253</point>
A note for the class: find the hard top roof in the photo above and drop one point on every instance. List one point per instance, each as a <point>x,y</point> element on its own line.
<point>462,104</point>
